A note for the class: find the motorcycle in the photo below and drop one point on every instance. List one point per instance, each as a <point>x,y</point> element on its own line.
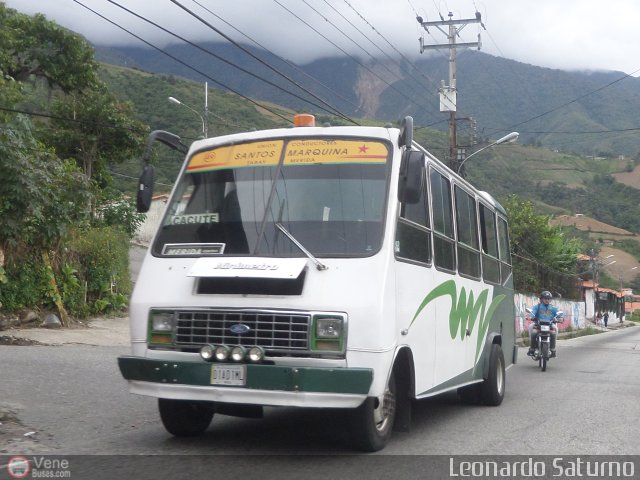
<point>542,347</point>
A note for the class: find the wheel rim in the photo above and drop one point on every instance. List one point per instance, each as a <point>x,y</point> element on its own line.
<point>385,410</point>
<point>500,377</point>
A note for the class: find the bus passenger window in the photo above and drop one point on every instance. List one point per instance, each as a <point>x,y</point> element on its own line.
<point>488,236</point>
<point>413,237</point>
<point>466,221</point>
<point>444,254</point>
<point>505,252</point>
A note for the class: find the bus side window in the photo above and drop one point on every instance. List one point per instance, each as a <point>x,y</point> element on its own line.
<point>489,238</point>
<point>505,252</point>
<point>413,233</point>
<point>444,255</point>
<point>467,226</point>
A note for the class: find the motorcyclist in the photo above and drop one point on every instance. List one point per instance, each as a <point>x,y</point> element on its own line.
<point>543,311</point>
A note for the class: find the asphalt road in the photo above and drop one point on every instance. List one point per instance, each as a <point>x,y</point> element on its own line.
<point>586,403</point>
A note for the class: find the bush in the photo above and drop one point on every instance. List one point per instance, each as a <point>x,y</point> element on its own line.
<point>26,282</point>
<point>91,272</point>
<point>95,278</point>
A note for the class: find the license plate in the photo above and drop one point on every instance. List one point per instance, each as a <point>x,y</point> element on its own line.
<point>544,328</point>
<point>222,374</point>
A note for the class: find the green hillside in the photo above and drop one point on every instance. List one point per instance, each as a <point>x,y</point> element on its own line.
<point>560,183</point>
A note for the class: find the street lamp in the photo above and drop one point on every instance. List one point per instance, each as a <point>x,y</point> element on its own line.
<point>204,124</point>
<point>620,272</point>
<point>511,137</point>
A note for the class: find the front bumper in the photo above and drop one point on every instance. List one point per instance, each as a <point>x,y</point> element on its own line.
<point>265,384</point>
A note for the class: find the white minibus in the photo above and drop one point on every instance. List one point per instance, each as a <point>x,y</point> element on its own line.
<point>340,267</point>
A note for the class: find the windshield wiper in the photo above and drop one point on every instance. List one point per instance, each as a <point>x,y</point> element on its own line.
<point>319,265</point>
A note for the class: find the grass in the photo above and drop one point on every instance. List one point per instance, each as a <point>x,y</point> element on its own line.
<point>573,333</point>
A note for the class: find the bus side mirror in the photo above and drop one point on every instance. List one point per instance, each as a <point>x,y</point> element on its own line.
<point>145,184</point>
<point>406,133</point>
<point>410,182</point>
<point>145,189</point>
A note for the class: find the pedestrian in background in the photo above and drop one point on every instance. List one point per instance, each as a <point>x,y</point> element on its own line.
<point>605,318</point>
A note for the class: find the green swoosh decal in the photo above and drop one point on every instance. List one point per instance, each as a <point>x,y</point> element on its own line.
<point>465,310</point>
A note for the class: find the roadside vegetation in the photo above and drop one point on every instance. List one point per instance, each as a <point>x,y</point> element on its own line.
<point>65,230</point>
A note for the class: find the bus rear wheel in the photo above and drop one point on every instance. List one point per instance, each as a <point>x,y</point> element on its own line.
<point>372,422</point>
<point>184,418</point>
<point>493,387</point>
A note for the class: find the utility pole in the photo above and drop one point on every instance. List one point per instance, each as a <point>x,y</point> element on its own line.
<point>448,92</point>
<point>206,110</point>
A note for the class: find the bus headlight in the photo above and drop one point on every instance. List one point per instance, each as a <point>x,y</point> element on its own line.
<point>329,333</point>
<point>162,326</point>
<point>162,321</point>
<point>329,328</point>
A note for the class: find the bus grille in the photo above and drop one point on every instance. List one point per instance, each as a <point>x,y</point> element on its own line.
<point>276,332</point>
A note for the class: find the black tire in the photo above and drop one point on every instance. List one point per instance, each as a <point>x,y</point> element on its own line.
<point>544,356</point>
<point>493,388</point>
<point>371,424</point>
<point>184,418</point>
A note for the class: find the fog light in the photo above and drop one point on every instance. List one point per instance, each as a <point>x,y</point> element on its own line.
<point>221,353</point>
<point>206,352</point>
<point>238,353</point>
<point>256,354</point>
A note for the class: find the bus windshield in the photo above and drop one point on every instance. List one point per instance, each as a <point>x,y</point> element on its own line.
<point>329,194</point>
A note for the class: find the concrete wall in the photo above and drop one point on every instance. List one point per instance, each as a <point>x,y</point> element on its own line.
<point>574,312</point>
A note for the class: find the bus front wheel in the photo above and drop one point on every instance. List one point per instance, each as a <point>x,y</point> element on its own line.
<point>372,422</point>
<point>184,418</point>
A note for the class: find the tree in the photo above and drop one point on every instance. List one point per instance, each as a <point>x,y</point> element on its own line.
<point>96,130</point>
<point>40,196</point>
<point>543,255</point>
<point>35,46</point>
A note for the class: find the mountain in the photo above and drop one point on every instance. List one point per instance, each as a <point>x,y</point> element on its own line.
<point>544,105</point>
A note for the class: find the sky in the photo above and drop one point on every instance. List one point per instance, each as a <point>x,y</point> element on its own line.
<point>561,34</point>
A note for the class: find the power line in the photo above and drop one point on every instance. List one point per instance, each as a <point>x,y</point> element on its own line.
<point>209,52</point>
<point>74,120</point>
<point>344,52</point>
<point>394,74</point>
<point>173,57</point>
<point>332,109</point>
<point>290,64</point>
<point>403,56</point>
<point>573,101</point>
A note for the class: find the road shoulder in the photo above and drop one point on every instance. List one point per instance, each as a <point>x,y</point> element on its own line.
<point>97,331</point>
